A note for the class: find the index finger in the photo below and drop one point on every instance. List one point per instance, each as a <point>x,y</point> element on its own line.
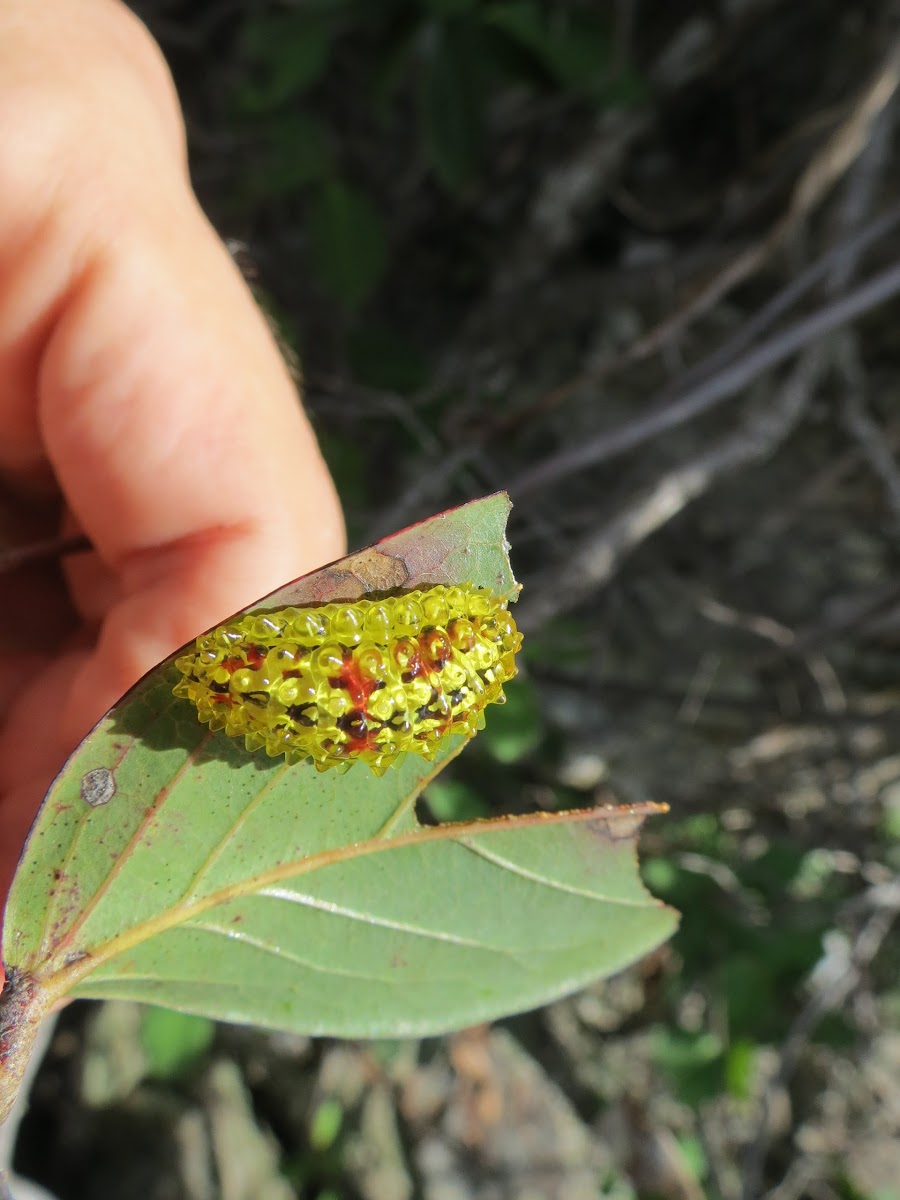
<point>159,398</point>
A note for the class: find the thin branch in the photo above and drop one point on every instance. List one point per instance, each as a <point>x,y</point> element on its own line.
<point>826,167</point>
<point>820,669</point>
<point>748,332</point>
<point>667,414</point>
<point>655,691</point>
<point>868,125</point>
<point>826,266</point>
<point>859,194</point>
<point>593,563</point>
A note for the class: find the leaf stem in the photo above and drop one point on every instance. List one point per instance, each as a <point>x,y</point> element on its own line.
<point>23,1006</point>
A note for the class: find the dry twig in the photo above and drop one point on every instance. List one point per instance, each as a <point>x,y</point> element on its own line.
<point>594,562</point>
<point>820,669</point>
<point>662,417</point>
<point>838,153</point>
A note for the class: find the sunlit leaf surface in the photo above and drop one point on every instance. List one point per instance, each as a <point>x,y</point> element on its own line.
<point>170,866</point>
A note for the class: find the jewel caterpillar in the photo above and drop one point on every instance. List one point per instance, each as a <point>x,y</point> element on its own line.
<point>366,681</point>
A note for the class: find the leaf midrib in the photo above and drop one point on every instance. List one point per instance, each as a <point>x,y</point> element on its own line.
<point>59,980</point>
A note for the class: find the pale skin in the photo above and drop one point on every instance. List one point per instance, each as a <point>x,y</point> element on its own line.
<point>143,402</point>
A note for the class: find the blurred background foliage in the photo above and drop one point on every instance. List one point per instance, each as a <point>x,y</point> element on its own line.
<point>428,77</point>
<point>496,233</point>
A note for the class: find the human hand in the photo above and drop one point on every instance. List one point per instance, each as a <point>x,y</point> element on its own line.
<point>143,402</point>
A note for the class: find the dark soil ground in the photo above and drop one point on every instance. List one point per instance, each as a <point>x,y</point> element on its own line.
<point>649,313</point>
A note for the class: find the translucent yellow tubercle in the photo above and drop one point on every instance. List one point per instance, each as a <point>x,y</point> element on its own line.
<point>367,681</point>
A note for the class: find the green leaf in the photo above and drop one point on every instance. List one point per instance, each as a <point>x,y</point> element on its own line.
<point>521,20</point>
<point>692,1157</point>
<point>577,52</point>
<point>389,72</point>
<point>454,800</point>
<point>286,53</point>
<point>890,820</point>
<point>326,1123</point>
<point>516,729</point>
<point>220,883</point>
<point>173,1041</point>
<point>693,1062</point>
<point>348,242</point>
<point>296,153</point>
<point>381,358</point>
<point>748,988</point>
<point>450,8</point>
<point>740,1064</point>
<point>451,105</point>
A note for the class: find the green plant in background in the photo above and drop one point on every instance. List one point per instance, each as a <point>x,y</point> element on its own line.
<point>760,935</point>
<point>172,1041</point>
<point>449,59</point>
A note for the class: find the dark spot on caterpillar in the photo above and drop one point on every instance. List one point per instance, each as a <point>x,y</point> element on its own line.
<point>355,724</point>
<point>298,713</point>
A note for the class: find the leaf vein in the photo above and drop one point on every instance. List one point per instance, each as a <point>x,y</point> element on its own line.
<point>288,955</point>
<point>340,910</point>
<point>516,869</point>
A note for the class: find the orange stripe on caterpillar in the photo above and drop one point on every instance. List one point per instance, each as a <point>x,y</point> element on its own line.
<point>367,681</point>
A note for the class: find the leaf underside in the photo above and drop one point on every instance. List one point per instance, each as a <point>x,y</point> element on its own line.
<point>235,886</point>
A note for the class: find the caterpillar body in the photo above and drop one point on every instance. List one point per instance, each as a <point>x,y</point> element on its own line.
<point>367,681</point>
